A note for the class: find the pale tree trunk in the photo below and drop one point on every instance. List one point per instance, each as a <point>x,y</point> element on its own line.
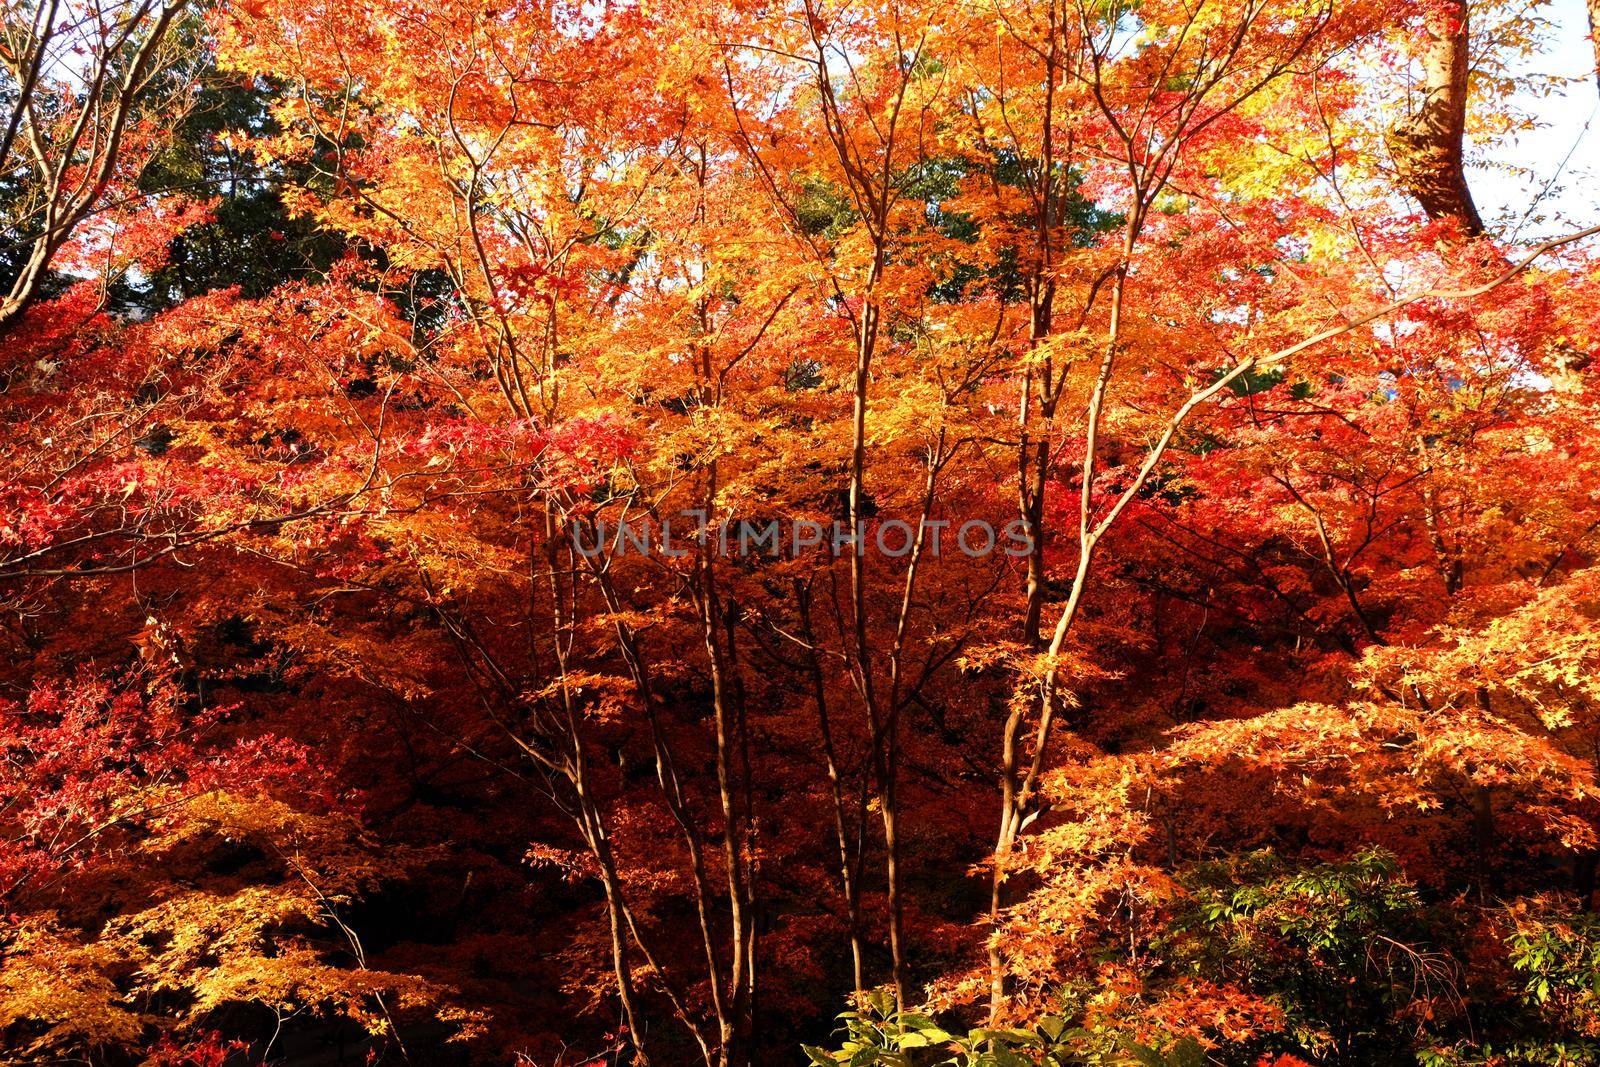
<point>1427,145</point>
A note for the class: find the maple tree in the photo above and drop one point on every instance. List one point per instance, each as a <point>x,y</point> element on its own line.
<point>611,533</point>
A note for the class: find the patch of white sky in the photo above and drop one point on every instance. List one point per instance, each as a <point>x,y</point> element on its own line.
<point>1552,183</point>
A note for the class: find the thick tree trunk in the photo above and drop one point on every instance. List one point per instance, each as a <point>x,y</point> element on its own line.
<point>1427,146</point>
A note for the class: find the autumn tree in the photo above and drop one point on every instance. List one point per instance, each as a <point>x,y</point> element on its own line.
<point>541,531</point>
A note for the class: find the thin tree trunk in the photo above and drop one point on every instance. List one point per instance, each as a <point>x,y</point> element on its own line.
<point>1016,790</point>
<point>671,789</point>
<point>735,847</point>
<point>849,884</point>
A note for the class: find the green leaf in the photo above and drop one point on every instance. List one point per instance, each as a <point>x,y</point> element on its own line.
<point>1186,1053</point>
<point>1146,1055</point>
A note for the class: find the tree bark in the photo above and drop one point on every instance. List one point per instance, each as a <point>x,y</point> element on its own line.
<point>1427,146</point>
